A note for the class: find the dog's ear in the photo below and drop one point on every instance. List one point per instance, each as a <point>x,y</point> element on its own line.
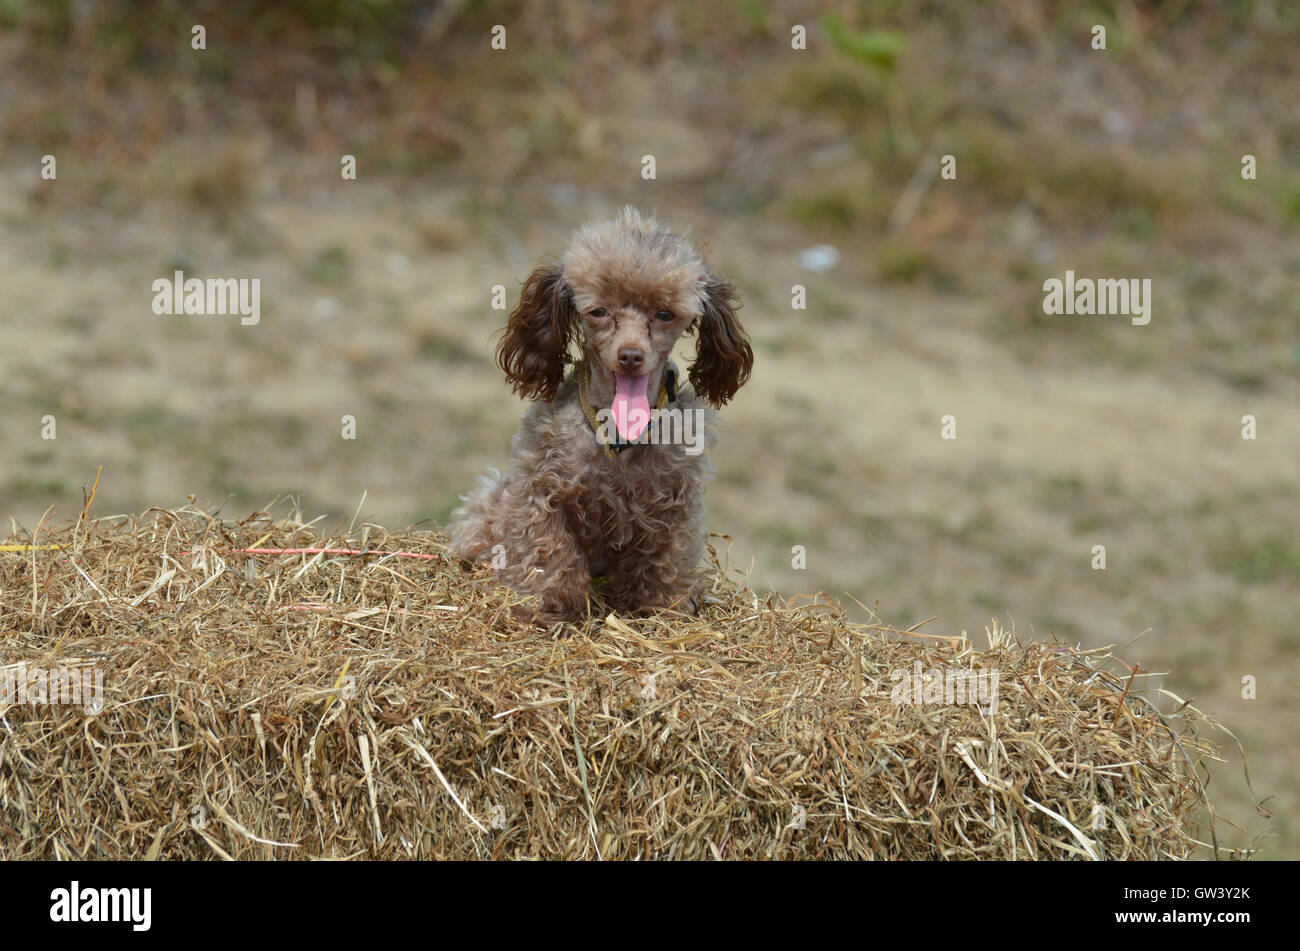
<point>723,358</point>
<point>535,348</point>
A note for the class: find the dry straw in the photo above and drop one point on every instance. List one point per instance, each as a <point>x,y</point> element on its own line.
<point>313,705</point>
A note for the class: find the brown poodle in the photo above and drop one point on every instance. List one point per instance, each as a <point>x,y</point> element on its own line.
<point>601,484</point>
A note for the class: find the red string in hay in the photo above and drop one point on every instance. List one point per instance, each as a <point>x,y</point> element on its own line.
<point>327,551</point>
<point>390,610</point>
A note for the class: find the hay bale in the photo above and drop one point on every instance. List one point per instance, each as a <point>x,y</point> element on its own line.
<point>266,705</point>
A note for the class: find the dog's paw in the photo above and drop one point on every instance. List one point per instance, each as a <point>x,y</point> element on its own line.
<point>526,614</point>
<point>540,618</point>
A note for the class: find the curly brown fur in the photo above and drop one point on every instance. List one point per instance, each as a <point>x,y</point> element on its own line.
<point>535,347</point>
<point>724,359</point>
<point>626,291</point>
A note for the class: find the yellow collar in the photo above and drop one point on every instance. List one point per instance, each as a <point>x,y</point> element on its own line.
<point>667,393</point>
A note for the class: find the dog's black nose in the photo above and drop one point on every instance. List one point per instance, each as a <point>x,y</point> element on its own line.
<point>631,358</point>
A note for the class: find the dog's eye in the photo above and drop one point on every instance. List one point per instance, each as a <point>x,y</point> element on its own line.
<point>665,315</point>
<point>598,312</point>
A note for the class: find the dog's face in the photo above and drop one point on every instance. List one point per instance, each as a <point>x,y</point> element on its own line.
<point>636,287</point>
<point>629,289</point>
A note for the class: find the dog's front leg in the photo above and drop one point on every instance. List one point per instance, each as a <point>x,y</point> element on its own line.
<point>541,556</point>
<point>661,569</point>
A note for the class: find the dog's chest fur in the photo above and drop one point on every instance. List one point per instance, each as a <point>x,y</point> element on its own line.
<point>616,502</point>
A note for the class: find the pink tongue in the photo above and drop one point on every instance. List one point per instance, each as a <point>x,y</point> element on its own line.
<point>631,408</point>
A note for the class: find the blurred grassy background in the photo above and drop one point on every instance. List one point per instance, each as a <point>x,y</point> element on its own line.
<point>473,163</point>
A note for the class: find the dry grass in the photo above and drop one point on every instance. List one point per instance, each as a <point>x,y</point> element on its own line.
<point>372,706</point>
